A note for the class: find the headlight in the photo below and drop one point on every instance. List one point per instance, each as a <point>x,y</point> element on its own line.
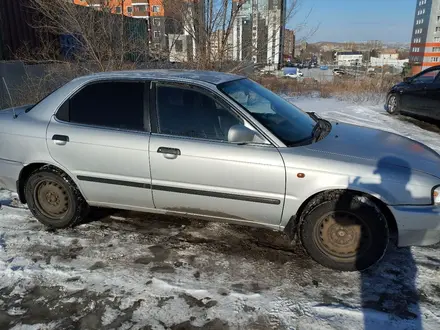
<point>436,196</point>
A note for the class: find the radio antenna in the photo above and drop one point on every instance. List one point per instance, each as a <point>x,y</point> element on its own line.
<point>10,98</point>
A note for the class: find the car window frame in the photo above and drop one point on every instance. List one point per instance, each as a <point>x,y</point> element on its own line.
<point>154,111</point>
<point>425,72</point>
<point>145,105</point>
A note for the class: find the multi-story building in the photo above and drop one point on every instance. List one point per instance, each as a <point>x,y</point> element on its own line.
<point>151,10</point>
<point>221,45</point>
<point>349,58</point>
<point>389,54</point>
<point>186,30</point>
<point>258,31</point>
<point>425,41</point>
<point>289,45</point>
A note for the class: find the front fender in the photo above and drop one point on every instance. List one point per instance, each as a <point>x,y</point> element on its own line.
<point>392,190</point>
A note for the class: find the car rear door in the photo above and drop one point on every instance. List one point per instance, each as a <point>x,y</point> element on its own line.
<point>195,170</point>
<point>101,135</point>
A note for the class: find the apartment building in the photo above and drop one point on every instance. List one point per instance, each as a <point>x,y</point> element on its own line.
<point>289,45</point>
<point>258,31</point>
<point>186,30</point>
<point>425,41</point>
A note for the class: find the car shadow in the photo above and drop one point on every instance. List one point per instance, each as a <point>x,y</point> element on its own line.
<point>425,123</point>
<point>390,285</point>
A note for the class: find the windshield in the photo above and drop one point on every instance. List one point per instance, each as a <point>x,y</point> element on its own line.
<point>287,122</point>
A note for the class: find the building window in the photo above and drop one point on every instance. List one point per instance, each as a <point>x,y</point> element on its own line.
<point>436,39</point>
<point>178,45</point>
<point>156,21</point>
<point>129,9</point>
<point>156,9</point>
<point>141,8</point>
<point>118,10</point>
<point>437,29</point>
<point>436,49</point>
<point>156,34</point>
<point>434,59</point>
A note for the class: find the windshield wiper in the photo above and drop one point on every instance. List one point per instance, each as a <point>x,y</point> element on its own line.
<point>322,126</point>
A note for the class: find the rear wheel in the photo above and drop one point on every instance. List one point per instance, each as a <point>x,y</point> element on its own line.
<point>393,104</point>
<point>54,199</point>
<point>344,231</point>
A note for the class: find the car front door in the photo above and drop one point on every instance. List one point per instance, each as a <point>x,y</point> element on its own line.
<point>195,170</point>
<point>414,96</point>
<point>101,135</point>
<point>432,108</point>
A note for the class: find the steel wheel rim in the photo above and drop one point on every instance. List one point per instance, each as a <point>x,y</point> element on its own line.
<point>392,103</point>
<point>342,235</point>
<point>51,199</point>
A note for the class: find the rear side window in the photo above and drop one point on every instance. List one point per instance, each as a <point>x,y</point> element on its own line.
<point>108,104</point>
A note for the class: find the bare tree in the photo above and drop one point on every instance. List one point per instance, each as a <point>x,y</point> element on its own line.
<point>210,25</point>
<point>98,38</point>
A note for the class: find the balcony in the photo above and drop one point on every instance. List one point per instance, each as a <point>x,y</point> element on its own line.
<point>140,9</point>
<point>95,3</point>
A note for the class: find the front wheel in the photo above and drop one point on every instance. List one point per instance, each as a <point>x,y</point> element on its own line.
<point>344,231</point>
<point>393,104</point>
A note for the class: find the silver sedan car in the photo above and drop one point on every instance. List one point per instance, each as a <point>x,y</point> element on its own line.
<point>220,147</point>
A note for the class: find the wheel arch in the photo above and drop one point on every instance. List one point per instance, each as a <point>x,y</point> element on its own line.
<point>28,169</point>
<point>292,227</point>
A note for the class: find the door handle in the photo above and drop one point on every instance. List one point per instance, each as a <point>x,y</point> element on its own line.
<point>60,140</point>
<point>169,153</point>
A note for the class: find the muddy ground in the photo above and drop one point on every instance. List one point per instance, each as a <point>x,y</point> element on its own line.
<point>129,270</point>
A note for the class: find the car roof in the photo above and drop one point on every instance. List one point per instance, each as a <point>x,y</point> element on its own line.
<point>211,77</point>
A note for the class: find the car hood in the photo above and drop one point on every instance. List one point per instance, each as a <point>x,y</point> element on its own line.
<point>357,142</point>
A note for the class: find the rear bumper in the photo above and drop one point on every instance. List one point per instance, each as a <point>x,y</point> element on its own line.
<point>417,225</point>
<point>9,173</point>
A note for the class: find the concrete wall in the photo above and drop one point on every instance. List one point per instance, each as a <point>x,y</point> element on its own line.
<point>15,73</point>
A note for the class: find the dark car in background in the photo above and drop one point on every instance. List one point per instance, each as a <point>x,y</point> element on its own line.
<point>418,95</point>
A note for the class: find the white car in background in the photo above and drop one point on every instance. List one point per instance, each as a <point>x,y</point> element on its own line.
<point>292,72</point>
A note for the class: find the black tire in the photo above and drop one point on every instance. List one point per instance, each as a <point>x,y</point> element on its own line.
<point>54,199</point>
<point>344,231</point>
<point>393,104</point>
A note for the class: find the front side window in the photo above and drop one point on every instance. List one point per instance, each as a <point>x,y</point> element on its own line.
<point>287,122</point>
<point>109,104</point>
<point>188,112</point>
<point>427,77</point>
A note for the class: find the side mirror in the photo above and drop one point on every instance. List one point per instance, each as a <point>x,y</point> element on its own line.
<point>241,134</point>
<point>407,79</point>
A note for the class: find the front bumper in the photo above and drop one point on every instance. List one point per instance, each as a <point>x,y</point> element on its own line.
<point>385,106</point>
<point>417,225</point>
<point>9,173</point>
